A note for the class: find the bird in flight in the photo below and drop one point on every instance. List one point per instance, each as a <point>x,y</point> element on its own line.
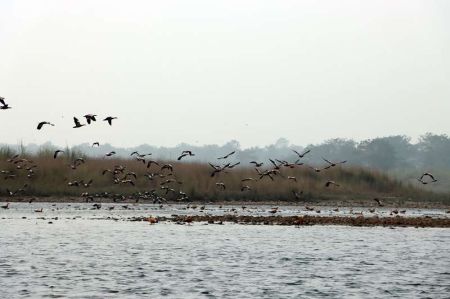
<point>185,154</point>
<point>427,174</point>
<point>42,123</point>
<point>110,154</point>
<point>4,105</point>
<point>333,164</point>
<point>190,153</point>
<point>226,156</point>
<point>90,118</point>
<point>95,144</point>
<point>77,123</point>
<point>109,119</point>
<point>330,183</point>
<point>57,152</point>
<point>302,155</point>
<point>257,164</point>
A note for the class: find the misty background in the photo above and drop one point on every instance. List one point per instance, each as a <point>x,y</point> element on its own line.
<point>202,74</point>
<point>395,155</point>
<point>206,72</point>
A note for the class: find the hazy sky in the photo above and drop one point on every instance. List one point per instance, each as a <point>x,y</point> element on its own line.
<point>208,71</point>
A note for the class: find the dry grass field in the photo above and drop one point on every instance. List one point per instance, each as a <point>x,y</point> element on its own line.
<point>51,177</point>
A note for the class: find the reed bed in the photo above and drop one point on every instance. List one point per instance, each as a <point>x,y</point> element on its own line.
<point>51,178</point>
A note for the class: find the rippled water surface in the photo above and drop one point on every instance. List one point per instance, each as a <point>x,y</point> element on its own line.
<point>79,256</point>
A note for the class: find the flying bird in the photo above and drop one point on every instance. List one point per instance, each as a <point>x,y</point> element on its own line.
<point>333,164</point>
<point>77,123</point>
<point>185,154</point>
<point>109,119</point>
<point>226,156</point>
<point>329,183</point>
<point>4,105</point>
<point>42,123</point>
<point>257,164</point>
<point>110,154</point>
<point>96,144</point>
<point>302,155</point>
<point>90,118</point>
<point>57,152</point>
<point>150,162</point>
<point>234,165</point>
<point>427,174</point>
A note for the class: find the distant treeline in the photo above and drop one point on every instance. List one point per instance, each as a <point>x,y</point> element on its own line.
<point>368,172</point>
<point>388,154</point>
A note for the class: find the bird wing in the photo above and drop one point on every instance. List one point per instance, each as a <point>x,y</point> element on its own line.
<point>76,121</point>
<point>328,161</point>
<point>2,100</point>
<point>40,125</point>
<point>306,152</point>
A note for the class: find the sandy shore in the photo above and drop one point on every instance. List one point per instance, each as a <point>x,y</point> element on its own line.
<point>391,202</point>
<point>306,220</point>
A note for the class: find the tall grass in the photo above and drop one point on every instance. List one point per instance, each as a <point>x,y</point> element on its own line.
<point>51,178</point>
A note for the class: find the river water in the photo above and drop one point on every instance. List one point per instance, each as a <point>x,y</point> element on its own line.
<point>76,252</point>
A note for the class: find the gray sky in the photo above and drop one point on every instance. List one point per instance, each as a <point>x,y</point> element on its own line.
<point>205,71</point>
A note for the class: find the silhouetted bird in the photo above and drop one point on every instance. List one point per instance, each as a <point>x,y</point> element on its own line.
<point>109,119</point>
<point>226,156</point>
<point>329,183</point>
<point>110,154</point>
<point>233,165</point>
<point>185,154</point>
<point>77,123</point>
<point>333,164</point>
<point>427,174</point>
<point>55,155</point>
<point>257,164</point>
<point>4,105</point>
<point>90,118</point>
<point>302,155</point>
<point>42,123</point>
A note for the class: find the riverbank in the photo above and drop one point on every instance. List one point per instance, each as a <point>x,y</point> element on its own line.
<point>387,202</point>
<point>305,220</point>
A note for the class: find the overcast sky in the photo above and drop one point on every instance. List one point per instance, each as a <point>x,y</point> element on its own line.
<point>209,71</point>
